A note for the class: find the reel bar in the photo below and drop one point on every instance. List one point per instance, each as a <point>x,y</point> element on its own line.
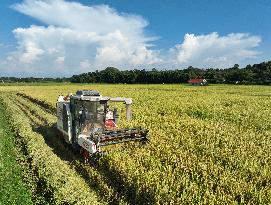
<point>120,136</point>
<point>121,141</point>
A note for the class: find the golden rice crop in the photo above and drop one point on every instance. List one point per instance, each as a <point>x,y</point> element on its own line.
<point>208,145</point>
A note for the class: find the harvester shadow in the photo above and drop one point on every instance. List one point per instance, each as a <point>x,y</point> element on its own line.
<point>122,191</point>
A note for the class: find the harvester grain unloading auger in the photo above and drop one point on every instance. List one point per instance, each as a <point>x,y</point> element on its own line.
<point>88,124</point>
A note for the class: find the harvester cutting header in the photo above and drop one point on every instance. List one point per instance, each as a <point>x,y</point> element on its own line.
<point>87,122</point>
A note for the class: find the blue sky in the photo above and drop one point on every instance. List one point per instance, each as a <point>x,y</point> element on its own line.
<point>62,38</point>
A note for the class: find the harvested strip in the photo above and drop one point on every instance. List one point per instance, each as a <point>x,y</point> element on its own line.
<point>47,106</point>
<point>36,110</point>
<point>62,182</point>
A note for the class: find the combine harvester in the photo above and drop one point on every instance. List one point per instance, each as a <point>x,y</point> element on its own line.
<point>88,124</point>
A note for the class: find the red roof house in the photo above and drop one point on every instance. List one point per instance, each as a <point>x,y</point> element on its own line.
<point>197,81</point>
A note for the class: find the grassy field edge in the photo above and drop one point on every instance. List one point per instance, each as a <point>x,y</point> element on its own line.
<point>12,188</point>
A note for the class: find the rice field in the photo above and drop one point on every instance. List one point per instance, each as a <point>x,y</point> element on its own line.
<point>208,145</point>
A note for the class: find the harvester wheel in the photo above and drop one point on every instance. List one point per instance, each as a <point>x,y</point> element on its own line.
<point>84,153</point>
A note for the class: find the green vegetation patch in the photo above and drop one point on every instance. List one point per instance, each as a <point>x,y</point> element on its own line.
<point>12,189</point>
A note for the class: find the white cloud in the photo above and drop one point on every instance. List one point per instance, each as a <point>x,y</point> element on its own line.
<point>77,38</point>
<point>212,50</point>
<point>31,53</point>
<point>60,60</point>
<point>97,33</point>
<point>98,18</point>
<point>85,65</point>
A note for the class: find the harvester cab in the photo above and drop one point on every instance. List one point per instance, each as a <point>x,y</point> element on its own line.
<point>87,122</point>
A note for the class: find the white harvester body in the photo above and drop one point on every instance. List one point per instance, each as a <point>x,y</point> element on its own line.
<point>64,118</point>
<point>87,123</point>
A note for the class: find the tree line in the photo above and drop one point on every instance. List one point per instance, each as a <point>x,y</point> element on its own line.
<point>256,74</point>
<point>32,80</point>
<point>251,74</point>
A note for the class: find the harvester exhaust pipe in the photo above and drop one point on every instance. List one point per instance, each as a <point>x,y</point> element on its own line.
<point>128,102</point>
<point>129,112</point>
<point>116,115</point>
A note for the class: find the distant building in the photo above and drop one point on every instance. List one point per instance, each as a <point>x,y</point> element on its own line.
<point>198,82</point>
